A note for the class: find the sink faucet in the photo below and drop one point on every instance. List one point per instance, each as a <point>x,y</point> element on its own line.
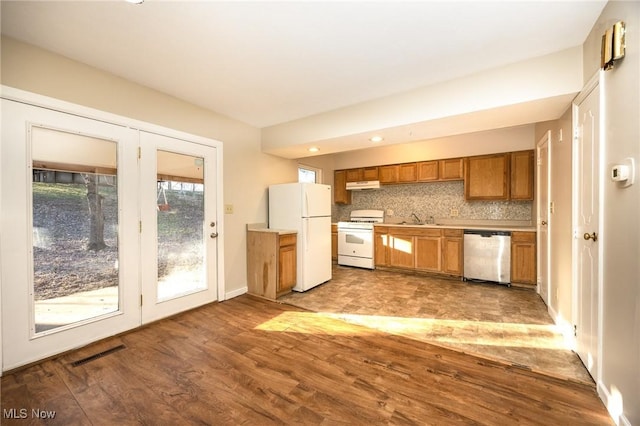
<point>417,218</point>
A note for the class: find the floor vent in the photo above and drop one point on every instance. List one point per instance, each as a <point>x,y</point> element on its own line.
<point>98,355</point>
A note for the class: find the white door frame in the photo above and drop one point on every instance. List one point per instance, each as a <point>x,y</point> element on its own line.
<point>595,83</point>
<point>32,99</point>
<point>543,215</point>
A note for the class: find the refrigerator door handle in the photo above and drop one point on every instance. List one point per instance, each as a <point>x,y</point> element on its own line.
<point>306,235</point>
<point>305,212</point>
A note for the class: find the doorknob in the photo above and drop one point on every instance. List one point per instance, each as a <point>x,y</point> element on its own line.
<point>543,223</point>
<point>588,236</point>
<point>214,235</point>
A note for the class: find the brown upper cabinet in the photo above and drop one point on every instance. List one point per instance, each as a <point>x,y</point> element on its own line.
<point>487,177</point>
<point>340,193</point>
<point>363,173</point>
<point>388,174</point>
<point>522,170</point>
<point>407,172</point>
<point>451,169</point>
<point>428,171</point>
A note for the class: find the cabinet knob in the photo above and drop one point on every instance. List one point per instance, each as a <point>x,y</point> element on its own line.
<point>214,235</point>
<point>543,223</point>
<point>587,236</point>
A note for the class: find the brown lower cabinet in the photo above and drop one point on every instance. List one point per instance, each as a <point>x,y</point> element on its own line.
<point>334,242</point>
<point>271,263</point>
<point>419,249</point>
<point>523,258</point>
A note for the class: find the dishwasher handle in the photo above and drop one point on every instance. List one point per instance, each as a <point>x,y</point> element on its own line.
<point>485,233</point>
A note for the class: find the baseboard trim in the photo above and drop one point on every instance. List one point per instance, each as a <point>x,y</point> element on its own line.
<point>235,293</point>
<point>613,406</point>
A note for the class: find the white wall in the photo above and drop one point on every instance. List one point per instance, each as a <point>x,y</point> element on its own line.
<point>619,381</point>
<point>247,171</point>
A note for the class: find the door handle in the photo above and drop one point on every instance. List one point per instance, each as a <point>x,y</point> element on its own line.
<point>588,236</point>
<point>214,235</point>
<point>543,223</point>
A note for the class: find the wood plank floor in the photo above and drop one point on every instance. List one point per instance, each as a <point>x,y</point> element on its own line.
<point>250,361</point>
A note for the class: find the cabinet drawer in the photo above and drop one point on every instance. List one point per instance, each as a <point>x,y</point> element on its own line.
<point>523,237</point>
<point>453,232</point>
<point>422,232</point>
<point>288,239</point>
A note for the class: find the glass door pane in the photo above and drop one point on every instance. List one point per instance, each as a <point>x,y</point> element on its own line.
<point>75,229</point>
<point>180,224</point>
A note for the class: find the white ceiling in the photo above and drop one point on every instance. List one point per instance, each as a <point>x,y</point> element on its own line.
<point>267,63</point>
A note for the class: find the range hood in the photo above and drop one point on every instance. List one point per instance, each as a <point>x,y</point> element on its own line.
<point>365,184</point>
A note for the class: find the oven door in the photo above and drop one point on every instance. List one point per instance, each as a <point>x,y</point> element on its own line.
<point>355,242</point>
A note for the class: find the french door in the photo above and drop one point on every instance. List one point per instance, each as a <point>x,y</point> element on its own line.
<point>103,228</point>
<point>179,226</point>
<point>62,190</point>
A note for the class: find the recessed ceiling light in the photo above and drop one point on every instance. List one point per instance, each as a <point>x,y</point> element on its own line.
<point>314,149</point>
<point>135,1</point>
<point>376,139</point>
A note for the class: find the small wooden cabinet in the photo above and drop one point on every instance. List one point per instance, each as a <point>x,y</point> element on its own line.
<point>271,262</point>
<point>523,258</point>
<point>388,174</point>
<point>487,177</point>
<point>340,193</point>
<point>451,169</point>
<point>407,172</point>
<point>381,245</point>
<point>334,242</point>
<point>370,173</point>
<point>522,171</point>
<point>428,171</point>
<point>452,251</point>
<point>428,250</point>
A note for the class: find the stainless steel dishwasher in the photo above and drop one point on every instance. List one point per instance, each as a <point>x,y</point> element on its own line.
<point>487,256</point>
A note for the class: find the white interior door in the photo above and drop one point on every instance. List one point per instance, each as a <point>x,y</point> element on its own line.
<point>69,232</point>
<point>587,224</point>
<point>179,225</point>
<point>543,216</point>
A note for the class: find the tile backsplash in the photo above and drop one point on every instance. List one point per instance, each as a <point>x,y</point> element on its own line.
<point>431,199</point>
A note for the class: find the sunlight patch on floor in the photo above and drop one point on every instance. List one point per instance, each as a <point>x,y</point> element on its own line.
<point>427,329</point>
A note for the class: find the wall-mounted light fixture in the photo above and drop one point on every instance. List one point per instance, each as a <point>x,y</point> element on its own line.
<point>613,45</point>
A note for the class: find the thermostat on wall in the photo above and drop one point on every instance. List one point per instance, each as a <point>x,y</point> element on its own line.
<point>624,173</point>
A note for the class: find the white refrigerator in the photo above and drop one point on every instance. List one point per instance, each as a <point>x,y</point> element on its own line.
<point>306,208</point>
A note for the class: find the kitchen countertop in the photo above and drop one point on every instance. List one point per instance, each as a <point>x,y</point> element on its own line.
<point>510,228</point>
<point>262,227</point>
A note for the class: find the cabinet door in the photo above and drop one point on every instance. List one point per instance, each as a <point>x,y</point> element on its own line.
<point>287,268</point>
<point>487,177</point>
<point>354,175</point>
<point>523,257</point>
<point>427,171</point>
<point>452,255</point>
<point>340,193</point>
<point>522,171</point>
<point>451,169</point>
<point>407,172</point>
<point>381,247</point>
<point>388,174</point>
<point>401,251</point>
<point>428,254</point>
<point>334,242</point>
<point>370,173</point>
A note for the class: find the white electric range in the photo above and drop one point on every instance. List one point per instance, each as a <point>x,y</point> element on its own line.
<point>355,238</point>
